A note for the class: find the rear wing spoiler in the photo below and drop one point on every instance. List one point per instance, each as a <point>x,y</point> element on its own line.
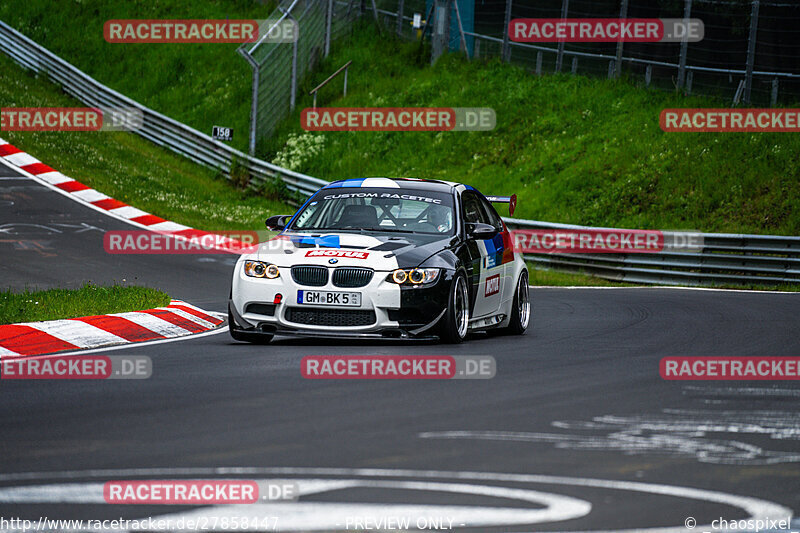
<point>510,200</point>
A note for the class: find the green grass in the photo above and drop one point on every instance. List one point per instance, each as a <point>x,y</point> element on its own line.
<point>89,300</point>
<point>575,149</point>
<point>198,84</point>
<point>540,277</point>
<point>553,278</point>
<point>129,168</point>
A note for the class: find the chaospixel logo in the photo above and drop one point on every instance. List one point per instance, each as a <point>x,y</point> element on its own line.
<point>351,254</point>
<point>70,119</point>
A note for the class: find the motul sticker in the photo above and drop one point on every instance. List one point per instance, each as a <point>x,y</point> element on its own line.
<point>352,254</point>
<point>492,285</point>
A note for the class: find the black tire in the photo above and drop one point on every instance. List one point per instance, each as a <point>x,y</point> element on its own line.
<point>246,336</point>
<point>455,323</point>
<point>520,307</point>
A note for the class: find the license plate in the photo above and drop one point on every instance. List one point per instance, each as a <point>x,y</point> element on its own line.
<point>351,299</point>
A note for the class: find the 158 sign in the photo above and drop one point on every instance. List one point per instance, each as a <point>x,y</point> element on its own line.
<point>218,133</point>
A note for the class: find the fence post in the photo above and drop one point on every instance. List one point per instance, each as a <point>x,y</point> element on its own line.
<point>560,56</point>
<point>623,13</point>
<point>539,63</point>
<point>441,25</point>
<point>254,100</point>
<point>648,75</point>
<point>687,13</point>
<point>773,101</point>
<point>751,51</point>
<point>400,6</point>
<point>506,52</point>
<point>575,65</point>
<point>328,20</point>
<point>293,97</point>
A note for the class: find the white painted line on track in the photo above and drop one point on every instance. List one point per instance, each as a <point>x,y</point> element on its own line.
<point>755,508</point>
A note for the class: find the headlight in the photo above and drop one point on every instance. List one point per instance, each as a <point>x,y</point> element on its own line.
<point>399,276</point>
<point>415,276</point>
<point>257,269</point>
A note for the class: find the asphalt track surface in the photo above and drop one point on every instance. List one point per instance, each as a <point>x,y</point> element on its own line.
<point>579,397</point>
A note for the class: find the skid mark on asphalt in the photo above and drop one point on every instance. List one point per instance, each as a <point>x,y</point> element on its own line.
<point>735,436</point>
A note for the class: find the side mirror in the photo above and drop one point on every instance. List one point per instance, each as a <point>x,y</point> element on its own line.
<point>480,231</point>
<point>277,222</point>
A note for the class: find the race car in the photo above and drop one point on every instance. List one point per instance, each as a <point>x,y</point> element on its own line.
<point>383,258</point>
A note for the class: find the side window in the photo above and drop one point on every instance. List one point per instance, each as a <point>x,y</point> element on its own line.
<point>494,218</point>
<point>473,211</point>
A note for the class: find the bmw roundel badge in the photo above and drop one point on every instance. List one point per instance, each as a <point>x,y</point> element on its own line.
<point>333,261</point>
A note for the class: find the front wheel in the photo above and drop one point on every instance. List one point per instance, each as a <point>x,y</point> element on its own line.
<point>456,319</point>
<point>520,307</point>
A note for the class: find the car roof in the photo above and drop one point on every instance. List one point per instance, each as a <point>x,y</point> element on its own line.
<point>398,183</point>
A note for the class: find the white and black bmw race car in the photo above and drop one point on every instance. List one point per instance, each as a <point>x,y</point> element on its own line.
<point>388,258</point>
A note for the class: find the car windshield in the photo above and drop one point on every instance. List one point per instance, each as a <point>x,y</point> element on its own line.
<point>379,210</point>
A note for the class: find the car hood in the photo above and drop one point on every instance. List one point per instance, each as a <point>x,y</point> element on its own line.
<point>374,250</point>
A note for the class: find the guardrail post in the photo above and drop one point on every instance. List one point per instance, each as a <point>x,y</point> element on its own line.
<point>623,13</point>
<point>400,6</point>
<point>751,51</point>
<point>648,75</point>
<point>539,63</point>
<point>560,55</point>
<point>687,13</point>
<point>506,52</point>
<point>328,21</point>
<point>575,65</point>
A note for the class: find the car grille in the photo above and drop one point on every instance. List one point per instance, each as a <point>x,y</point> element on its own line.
<point>331,317</point>
<point>313,276</point>
<point>351,277</point>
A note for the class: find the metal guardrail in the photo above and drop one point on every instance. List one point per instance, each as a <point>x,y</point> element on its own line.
<point>156,127</point>
<point>723,258</point>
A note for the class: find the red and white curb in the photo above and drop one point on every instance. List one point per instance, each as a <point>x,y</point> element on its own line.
<point>98,201</point>
<point>37,338</point>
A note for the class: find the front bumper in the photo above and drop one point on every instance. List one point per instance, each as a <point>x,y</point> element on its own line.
<point>387,310</point>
